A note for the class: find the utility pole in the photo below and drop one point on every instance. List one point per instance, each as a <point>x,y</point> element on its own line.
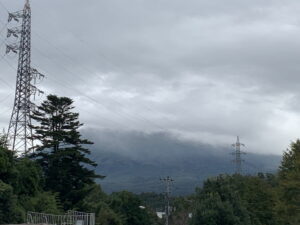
<point>19,136</point>
<point>238,158</point>
<point>168,181</point>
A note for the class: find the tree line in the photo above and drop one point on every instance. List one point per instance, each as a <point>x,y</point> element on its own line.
<point>59,175</point>
<point>262,199</point>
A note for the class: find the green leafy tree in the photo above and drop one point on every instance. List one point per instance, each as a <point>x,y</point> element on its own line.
<point>22,174</point>
<point>212,210</point>
<point>21,188</point>
<point>93,199</point>
<point>28,178</point>
<point>8,170</point>
<point>182,207</point>
<point>3,140</point>
<point>128,205</point>
<point>219,203</point>
<point>106,216</point>
<point>237,200</point>
<point>62,152</point>
<point>289,185</point>
<point>153,200</point>
<point>10,211</point>
<point>44,202</point>
<point>260,198</point>
<point>97,201</point>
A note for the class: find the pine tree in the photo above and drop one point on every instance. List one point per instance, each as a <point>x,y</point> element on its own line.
<point>61,151</point>
<point>289,184</point>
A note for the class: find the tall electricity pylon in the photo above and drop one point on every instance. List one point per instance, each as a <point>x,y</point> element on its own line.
<point>19,130</point>
<point>167,182</point>
<point>238,159</point>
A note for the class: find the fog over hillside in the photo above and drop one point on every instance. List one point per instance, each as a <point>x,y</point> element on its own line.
<point>136,161</point>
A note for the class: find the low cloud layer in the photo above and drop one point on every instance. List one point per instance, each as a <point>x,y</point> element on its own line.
<point>136,160</point>
<point>203,70</point>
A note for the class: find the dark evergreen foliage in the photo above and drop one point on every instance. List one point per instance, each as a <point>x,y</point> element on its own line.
<point>62,152</point>
<point>289,185</point>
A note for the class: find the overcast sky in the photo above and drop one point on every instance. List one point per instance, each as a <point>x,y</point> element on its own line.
<point>204,70</point>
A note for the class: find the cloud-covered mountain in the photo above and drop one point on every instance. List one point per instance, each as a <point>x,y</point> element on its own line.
<point>135,161</point>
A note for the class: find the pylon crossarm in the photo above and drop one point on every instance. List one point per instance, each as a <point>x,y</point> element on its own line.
<point>35,74</point>
<point>15,32</point>
<point>15,16</point>
<point>12,48</point>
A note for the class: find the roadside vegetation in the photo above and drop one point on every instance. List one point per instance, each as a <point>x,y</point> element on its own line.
<point>60,176</point>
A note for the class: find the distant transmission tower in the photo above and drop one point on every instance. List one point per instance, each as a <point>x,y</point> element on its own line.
<point>238,158</point>
<point>19,130</point>
<point>168,181</point>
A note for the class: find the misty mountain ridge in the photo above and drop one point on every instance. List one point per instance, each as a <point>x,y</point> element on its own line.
<point>135,161</point>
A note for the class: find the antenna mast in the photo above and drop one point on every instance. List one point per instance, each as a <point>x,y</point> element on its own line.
<point>19,134</point>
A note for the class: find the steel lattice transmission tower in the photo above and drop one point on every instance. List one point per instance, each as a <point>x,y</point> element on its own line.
<point>238,156</point>
<point>168,181</point>
<point>19,131</point>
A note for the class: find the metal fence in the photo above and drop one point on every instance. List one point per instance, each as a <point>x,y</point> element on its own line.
<point>70,218</point>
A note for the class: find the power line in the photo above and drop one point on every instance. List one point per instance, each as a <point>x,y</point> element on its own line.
<point>4,82</point>
<point>87,69</point>
<point>87,97</point>
<point>5,111</point>
<point>112,64</point>
<point>1,79</point>
<point>65,85</point>
<point>5,98</point>
<point>3,42</point>
<point>3,28</point>
<point>94,100</point>
<point>11,66</point>
<point>4,6</point>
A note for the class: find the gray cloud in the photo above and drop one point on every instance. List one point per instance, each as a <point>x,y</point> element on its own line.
<point>135,160</point>
<point>204,70</point>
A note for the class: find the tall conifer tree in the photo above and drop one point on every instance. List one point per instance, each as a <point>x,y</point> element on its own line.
<point>61,151</point>
<point>289,184</point>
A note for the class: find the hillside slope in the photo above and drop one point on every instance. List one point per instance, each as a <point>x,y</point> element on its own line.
<point>136,162</point>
